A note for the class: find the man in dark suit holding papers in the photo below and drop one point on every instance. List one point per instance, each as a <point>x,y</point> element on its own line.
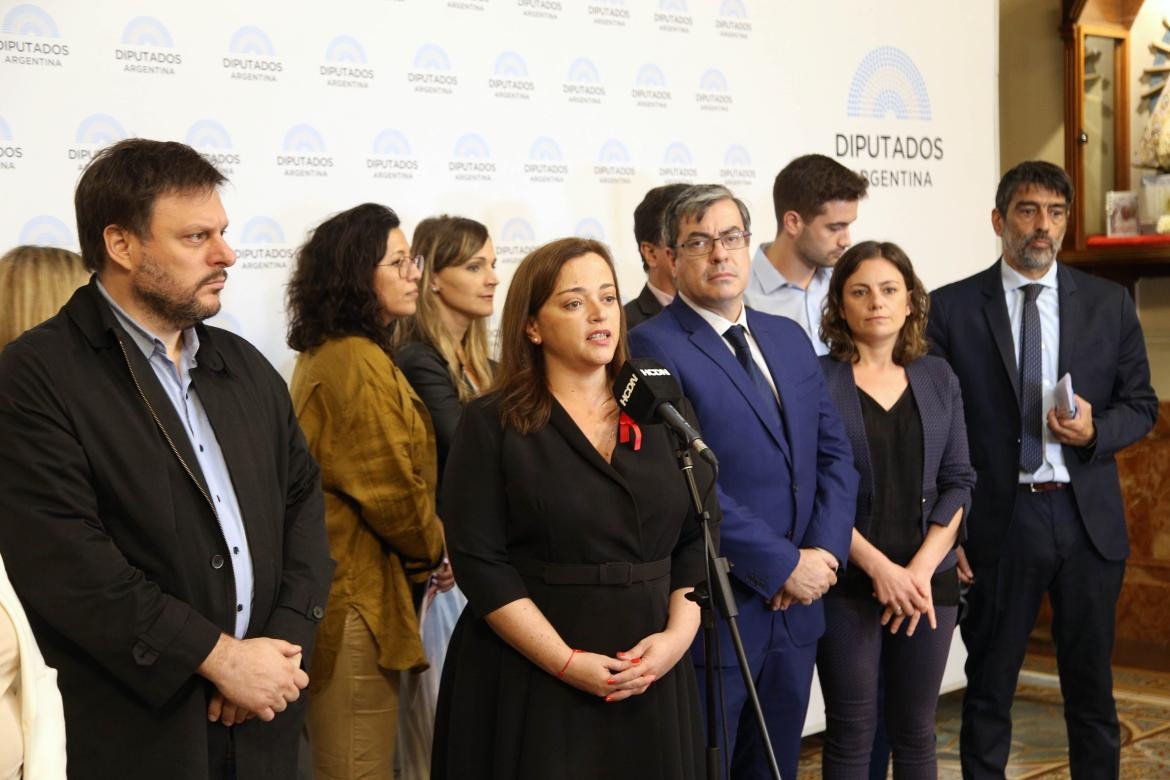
<point>1047,513</point>
<point>787,487</point>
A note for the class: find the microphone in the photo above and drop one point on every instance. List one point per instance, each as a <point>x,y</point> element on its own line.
<point>648,392</point>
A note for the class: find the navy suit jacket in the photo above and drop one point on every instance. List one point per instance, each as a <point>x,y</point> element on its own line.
<point>1101,346</point>
<point>780,488</point>
<point>947,476</point>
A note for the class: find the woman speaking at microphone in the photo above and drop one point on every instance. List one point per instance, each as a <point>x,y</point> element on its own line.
<point>572,534</point>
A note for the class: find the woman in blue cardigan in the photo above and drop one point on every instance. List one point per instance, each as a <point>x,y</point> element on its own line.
<point>895,607</point>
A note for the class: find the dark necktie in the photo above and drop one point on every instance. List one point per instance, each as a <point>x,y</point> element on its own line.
<point>1031,384</point>
<point>737,336</point>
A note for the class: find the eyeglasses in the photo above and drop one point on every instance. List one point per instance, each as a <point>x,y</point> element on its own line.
<point>701,246</point>
<point>404,263</point>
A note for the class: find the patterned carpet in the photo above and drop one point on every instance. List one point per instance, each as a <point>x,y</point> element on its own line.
<point>1040,746</point>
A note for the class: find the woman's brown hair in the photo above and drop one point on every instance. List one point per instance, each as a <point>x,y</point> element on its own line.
<point>35,281</point>
<point>524,398</point>
<point>447,242</point>
<point>911,343</point>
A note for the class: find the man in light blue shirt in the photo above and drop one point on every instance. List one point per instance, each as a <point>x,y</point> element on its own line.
<point>815,199</point>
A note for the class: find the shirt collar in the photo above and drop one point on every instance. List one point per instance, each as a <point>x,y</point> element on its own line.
<point>147,342</point>
<point>1014,280</point>
<point>771,280</point>
<point>663,298</point>
<point>718,322</point>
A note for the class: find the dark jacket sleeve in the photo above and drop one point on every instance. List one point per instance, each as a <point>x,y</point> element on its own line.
<point>956,477</point>
<point>476,513</point>
<point>306,568</point>
<point>65,566</point>
<point>427,373</point>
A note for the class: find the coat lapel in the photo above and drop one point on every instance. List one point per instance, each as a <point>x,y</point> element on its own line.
<point>843,393</point>
<point>712,344</point>
<point>927,398</point>
<point>995,310</point>
<point>1070,315</point>
<point>567,428</point>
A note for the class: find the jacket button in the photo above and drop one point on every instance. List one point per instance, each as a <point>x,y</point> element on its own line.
<point>217,561</point>
<point>318,612</point>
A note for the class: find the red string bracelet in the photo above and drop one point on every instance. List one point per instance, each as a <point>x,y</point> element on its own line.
<point>561,673</point>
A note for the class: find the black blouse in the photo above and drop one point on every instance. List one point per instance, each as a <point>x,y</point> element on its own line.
<point>895,449</point>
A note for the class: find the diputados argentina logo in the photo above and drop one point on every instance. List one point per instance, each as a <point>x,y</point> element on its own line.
<point>672,16</point>
<point>345,64</point>
<point>431,71</point>
<point>510,79</point>
<point>392,157</point>
<point>10,151</point>
<point>516,240</point>
<point>678,165</point>
<point>28,36</point>
<point>147,48</point>
<point>471,159</point>
<point>732,21</point>
<point>304,153</point>
<point>612,13</point>
<point>737,167</point>
<point>887,99</point>
<point>95,132</point>
<point>541,9</point>
<point>545,164</point>
<point>262,246</point>
<point>212,141</point>
<point>714,94</point>
<point>583,84</point>
<point>252,57</point>
<point>47,230</point>
<point>651,89</point>
<point>613,164</point>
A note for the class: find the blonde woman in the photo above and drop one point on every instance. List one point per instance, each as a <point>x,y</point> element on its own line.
<point>35,281</point>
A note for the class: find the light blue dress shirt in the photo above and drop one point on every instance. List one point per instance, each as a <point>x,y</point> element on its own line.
<point>176,383</point>
<point>770,292</point>
<point>1048,304</point>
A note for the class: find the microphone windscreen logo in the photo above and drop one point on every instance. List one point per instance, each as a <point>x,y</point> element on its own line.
<point>629,390</point>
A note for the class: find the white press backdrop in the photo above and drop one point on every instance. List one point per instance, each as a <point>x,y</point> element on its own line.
<point>541,118</point>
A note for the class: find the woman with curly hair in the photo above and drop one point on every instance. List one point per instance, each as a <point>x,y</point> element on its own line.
<point>904,416</point>
<point>355,277</point>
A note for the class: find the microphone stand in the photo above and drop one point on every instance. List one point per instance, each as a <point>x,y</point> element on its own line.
<point>718,588</point>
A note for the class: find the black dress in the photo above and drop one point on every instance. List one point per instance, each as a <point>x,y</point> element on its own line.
<point>549,497</point>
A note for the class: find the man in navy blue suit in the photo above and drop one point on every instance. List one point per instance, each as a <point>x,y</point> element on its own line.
<point>1047,513</point>
<point>787,487</point>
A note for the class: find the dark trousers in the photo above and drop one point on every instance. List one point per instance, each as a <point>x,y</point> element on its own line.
<point>851,653</point>
<point>1046,549</point>
<point>783,678</point>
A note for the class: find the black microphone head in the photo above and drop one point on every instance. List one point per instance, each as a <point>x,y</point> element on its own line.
<point>641,386</point>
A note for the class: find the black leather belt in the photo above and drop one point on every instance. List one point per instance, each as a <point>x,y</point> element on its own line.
<point>617,573</point>
<point>1042,487</point>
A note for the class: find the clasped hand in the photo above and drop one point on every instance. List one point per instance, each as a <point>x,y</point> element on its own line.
<point>905,593</point>
<point>253,678</point>
<point>815,573</point>
<point>629,673</point>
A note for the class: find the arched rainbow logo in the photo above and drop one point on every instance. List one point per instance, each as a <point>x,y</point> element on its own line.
<point>583,70</point>
<point>345,48</point>
<point>99,130</point>
<point>672,5</point>
<point>517,230</point>
<point>510,63</point>
<point>713,80</point>
<point>677,154</point>
<point>252,40</point>
<point>650,75</point>
<point>737,157</point>
<point>734,8</point>
<point>590,228</point>
<point>391,142</point>
<point>888,82</point>
<point>473,146</point>
<point>262,230</point>
<point>47,230</point>
<point>146,31</point>
<point>29,20</point>
<point>431,57</point>
<point>303,138</point>
<point>5,131</point>
<point>208,134</point>
<point>544,148</point>
<point>613,151</point>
